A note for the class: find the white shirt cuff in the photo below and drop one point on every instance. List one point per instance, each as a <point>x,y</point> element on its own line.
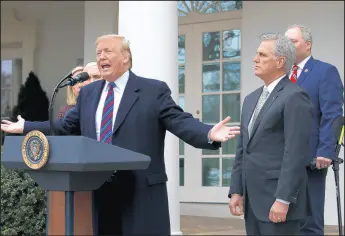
<point>279,200</point>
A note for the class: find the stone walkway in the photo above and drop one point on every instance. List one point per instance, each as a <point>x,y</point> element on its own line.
<point>198,225</point>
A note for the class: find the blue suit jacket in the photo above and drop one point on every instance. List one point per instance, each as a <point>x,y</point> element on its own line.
<point>323,84</point>
<point>145,113</point>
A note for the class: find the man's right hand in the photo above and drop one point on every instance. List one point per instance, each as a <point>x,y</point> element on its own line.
<point>236,205</point>
<point>14,128</point>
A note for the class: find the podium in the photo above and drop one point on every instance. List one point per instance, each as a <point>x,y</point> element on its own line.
<point>76,165</point>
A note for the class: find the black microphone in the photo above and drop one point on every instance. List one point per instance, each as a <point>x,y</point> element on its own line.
<point>79,78</point>
<point>83,76</point>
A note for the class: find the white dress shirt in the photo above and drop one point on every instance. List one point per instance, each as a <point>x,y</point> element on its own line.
<point>300,67</point>
<point>120,83</point>
<point>270,88</point>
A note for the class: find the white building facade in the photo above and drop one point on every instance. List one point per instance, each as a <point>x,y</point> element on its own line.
<point>202,49</point>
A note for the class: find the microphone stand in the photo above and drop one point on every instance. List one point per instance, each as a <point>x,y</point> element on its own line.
<point>55,91</point>
<point>69,195</point>
<point>335,167</point>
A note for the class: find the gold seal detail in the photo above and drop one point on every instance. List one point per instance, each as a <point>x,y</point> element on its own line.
<point>35,149</point>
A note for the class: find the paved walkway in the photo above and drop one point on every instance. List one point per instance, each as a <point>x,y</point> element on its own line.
<point>198,225</point>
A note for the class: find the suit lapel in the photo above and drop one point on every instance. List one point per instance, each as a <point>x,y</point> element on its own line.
<point>96,95</point>
<point>128,99</point>
<point>306,70</point>
<point>273,96</point>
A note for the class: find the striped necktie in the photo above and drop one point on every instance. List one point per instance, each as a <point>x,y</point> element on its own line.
<point>293,77</point>
<point>107,115</point>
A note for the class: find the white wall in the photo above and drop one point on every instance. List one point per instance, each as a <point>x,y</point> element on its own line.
<point>326,20</point>
<point>60,40</point>
<point>100,17</point>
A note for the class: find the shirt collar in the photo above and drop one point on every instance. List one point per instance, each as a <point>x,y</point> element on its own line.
<point>302,63</point>
<point>272,85</point>
<point>120,82</point>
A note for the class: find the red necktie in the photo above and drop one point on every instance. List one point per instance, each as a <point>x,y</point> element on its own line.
<point>293,77</point>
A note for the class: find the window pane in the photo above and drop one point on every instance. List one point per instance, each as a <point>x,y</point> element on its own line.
<point>210,172</point>
<point>231,76</point>
<point>211,8</point>
<point>6,102</point>
<point>229,147</point>
<point>210,108</point>
<point>181,171</point>
<point>181,143</point>
<point>207,7</point>
<point>227,164</point>
<point>231,107</point>
<point>181,147</point>
<point>181,101</point>
<point>181,79</point>
<point>232,44</point>
<point>210,78</point>
<point>211,46</point>
<point>6,74</point>
<point>181,49</point>
<point>210,152</point>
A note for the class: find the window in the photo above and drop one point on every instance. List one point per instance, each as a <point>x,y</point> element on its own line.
<point>207,7</point>
<point>10,72</point>
<point>181,90</point>
<point>221,67</point>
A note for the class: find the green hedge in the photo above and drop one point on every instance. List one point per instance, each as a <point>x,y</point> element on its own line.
<point>23,204</point>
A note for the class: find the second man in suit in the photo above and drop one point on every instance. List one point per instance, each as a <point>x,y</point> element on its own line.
<point>322,82</point>
<point>269,180</point>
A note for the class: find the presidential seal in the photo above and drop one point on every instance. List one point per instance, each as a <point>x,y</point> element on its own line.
<point>35,149</point>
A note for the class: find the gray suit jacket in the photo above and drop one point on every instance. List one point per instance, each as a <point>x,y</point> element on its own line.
<point>271,163</point>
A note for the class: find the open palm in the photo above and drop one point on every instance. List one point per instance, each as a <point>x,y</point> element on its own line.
<point>11,127</point>
<point>222,133</point>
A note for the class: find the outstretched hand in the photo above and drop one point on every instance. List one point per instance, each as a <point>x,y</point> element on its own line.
<point>11,127</point>
<point>222,133</point>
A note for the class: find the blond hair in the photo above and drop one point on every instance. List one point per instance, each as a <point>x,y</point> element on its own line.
<point>90,64</point>
<point>125,45</point>
<point>71,97</point>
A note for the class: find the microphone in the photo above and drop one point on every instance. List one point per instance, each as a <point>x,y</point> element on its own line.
<point>83,76</point>
<point>72,81</point>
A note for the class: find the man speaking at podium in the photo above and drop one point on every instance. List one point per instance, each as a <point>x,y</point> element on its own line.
<point>134,113</point>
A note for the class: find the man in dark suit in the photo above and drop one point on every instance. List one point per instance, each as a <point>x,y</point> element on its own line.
<point>269,179</point>
<point>134,113</point>
<point>323,84</point>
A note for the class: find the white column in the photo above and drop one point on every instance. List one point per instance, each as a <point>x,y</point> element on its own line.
<point>100,17</point>
<point>152,30</point>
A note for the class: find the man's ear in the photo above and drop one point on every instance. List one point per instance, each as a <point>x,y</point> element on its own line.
<point>126,57</point>
<point>281,62</point>
<point>308,43</point>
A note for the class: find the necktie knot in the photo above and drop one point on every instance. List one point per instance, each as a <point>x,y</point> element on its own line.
<point>265,92</point>
<point>295,67</point>
<point>111,85</point>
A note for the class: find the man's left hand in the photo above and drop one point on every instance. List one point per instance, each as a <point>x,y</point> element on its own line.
<point>222,133</point>
<point>323,162</point>
<point>278,212</point>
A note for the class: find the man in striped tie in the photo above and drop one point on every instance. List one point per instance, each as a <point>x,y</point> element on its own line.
<point>134,113</point>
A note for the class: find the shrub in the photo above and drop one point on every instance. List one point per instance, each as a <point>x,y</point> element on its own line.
<point>23,202</point>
